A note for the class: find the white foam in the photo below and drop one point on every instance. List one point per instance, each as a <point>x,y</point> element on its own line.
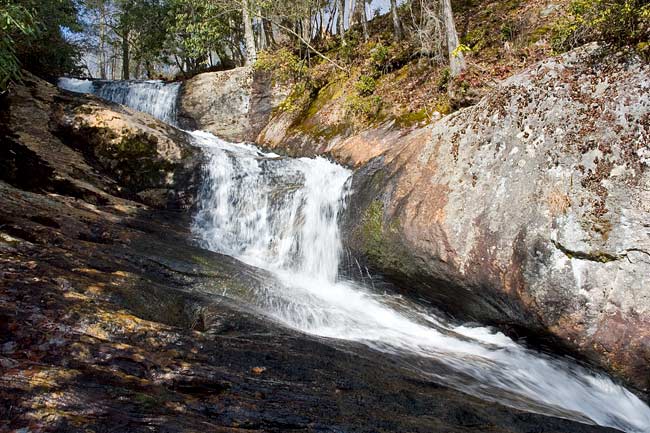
<point>76,85</point>
<point>153,97</point>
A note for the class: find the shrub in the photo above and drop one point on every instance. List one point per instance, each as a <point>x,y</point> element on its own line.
<point>367,108</point>
<point>347,53</point>
<point>379,56</point>
<point>14,19</point>
<point>617,22</point>
<point>366,85</point>
<point>48,51</point>
<point>444,79</point>
<point>297,99</point>
<point>508,31</point>
<point>285,65</point>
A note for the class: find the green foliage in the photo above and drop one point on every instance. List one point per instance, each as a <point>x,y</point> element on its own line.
<point>365,107</point>
<point>195,28</point>
<point>149,29</point>
<point>346,53</point>
<point>379,57</point>
<point>47,52</point>
<point>387,58</point>
<point>508,31</point>
<point>296,99</point>
<point>444,79</point>
<point>366,85</point>
<point>14,19</point>
<point>284,64</point>
<point>410,118</point>
<point>476,39</point>
<point>460,49</point>
<point>618,22</point>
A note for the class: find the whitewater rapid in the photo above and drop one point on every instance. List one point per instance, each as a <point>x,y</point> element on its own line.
<point>282,214</point>
<point>152,96</point>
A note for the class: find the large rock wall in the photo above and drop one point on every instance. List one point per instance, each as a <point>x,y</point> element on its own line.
<point>234,104</point>
<point>530,209</point>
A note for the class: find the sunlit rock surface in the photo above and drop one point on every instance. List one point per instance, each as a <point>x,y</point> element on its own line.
<point>233,105</point>
<point>530,209</point>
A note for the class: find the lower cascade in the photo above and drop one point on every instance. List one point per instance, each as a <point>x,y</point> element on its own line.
<point>282,214</point>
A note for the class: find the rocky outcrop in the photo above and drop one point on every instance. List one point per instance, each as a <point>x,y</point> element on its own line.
<point>233,104</point>
<point>112,319</point>
<point>530,209</point>
<point>135,155</point>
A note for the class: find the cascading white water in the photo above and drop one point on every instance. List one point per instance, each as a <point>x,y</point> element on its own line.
<point>76,85</point>
<point>153,97</point>
<point>281,214</point>
<point>273,212</point>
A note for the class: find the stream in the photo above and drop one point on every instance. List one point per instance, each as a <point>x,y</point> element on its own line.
<point>282,214</point>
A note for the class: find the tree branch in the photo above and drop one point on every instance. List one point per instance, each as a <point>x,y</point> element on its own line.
<point>321,55</point>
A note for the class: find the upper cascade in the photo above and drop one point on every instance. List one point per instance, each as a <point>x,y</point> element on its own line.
<point>276,213</point>
<point>153,97</point>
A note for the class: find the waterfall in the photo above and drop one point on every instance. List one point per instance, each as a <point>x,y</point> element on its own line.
<point>153,97</point>
<point>282,214</point>
<point>276,213</point>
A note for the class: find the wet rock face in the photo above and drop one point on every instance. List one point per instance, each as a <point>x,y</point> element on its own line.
<point>233,104</point>
<point>530,209</point>
<point>57,140</point>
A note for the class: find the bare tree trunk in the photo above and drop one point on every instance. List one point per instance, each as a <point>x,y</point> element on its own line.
<point>397,24</point>
<point>330,20</point>
<point>360,16</point>
<point>249,36</point>
<point>456,58</point>
<point>147,65</point>
<point>179,65</point>
<point>320,30</point>
<point>102,42</point>
<point>350,12</point>
<point>113,64</point>
<point>305,27</point>
<point>261,35</point>
<point>268,32</point>
<point>125,55</point>
<point>341,20</point>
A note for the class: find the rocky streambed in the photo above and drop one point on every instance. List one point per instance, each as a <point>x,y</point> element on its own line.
<point>112,319</point>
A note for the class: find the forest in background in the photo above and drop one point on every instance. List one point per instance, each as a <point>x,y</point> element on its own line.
<point>146,39</point>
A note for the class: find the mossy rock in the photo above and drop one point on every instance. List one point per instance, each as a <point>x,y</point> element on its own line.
<point>136,146</point>
<point>411,118</point>
<point>380,240</point>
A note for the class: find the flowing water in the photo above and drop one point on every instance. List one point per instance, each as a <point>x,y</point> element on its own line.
<point>153,97</point>
<point>282,214</point>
